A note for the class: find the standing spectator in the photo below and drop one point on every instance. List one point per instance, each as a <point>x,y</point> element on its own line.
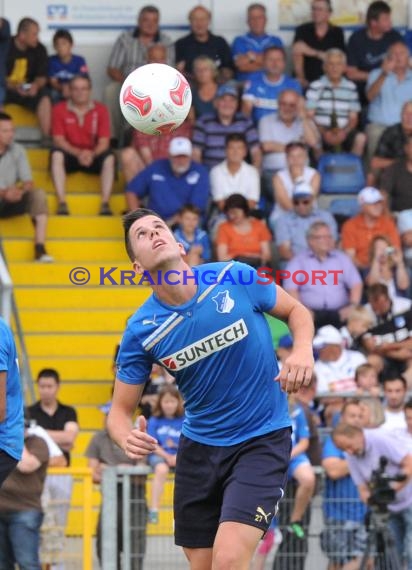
<point>27,73</point>
<point>312,40</point>
<point>234,175</point>
<point>60,422</point>
<point>11,404</point>
<point>81,142</point>
<point>171,183</point>
<point>145,149</point>
<point>64,65</point>
<point>129,52</point>
<point>337,286</point>
<point>102,452</point>
<point>388,88</point>
<point>195,240</point>
<point>261,93</point>
<point>210,131</point>
<point>17,193</point>
<point>334,105</point>
<point>4,47</point>
<point>394,392</point>
<point>367,46</point>
<point>21,510</point>
<point>247,50</point>
<point>204,86</point>
<point>359,231</point>
<point>201,41</point>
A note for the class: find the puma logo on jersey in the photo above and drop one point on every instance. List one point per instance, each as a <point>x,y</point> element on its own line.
<point>260,515</point>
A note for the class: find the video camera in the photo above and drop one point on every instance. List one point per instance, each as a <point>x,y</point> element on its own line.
<point>382,493</point>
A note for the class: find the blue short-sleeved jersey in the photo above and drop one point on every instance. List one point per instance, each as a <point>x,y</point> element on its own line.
<point>12,429</point>
<point>219,348</point>
<point>166,431</point>
<point>257,44</point>
<point>66,71</point>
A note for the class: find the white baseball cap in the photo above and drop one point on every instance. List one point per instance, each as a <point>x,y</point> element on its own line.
<point>180,146</point>
<point>327,335</point>
<point>370,195</point>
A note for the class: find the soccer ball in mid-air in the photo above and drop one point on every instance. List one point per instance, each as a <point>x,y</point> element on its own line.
<point>155,99</point>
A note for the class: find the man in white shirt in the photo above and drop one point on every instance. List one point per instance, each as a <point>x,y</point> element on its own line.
<point>394,390</point>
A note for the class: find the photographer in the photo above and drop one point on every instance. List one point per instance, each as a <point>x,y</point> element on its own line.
<point>365,448</point>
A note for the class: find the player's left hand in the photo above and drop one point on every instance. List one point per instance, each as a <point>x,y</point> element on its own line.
<point>296,370</point>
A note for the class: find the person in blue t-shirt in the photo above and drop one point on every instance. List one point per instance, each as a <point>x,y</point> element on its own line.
<point>165,425</point>
<point>207,327</point>
<point>11,404</point>
<point>64,65</point>
<point>195,240</point>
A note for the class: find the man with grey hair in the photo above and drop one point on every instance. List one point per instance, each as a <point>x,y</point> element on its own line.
<point>333,102</point>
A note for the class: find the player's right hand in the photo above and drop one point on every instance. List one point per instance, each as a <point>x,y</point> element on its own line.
<point>139,443</point>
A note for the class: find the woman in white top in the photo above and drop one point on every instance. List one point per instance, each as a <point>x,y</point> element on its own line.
<point>286,180</point>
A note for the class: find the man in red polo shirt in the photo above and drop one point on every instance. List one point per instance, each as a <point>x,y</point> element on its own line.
<point>81,141</point>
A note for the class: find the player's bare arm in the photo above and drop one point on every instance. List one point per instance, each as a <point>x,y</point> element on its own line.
<point>298,367</point>
<point>134,441</point>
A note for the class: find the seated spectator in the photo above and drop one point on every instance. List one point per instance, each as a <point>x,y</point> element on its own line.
<point>261,93</point>
<point>165,426</point>
<point>286,181</point>
<point>396,180</point>
<point>312,40</point>
<point>334,105</point>
<point>4,47</point>
<point>391,145</point>
<point>64,65</point>
<point>17,193</point>
<point>201,41</point>
<point>330,284</point>
<point>204,86</point>
<point>171,183</point>
<point>129,52</point>
<point>381,306</point>
<point>387,266</point>
<point>210,132</point>
<point>194,239</point>
<point>394,393</point>
<point>367,381</point>
<point>291,228</point>
<point>367,47</point>
<point>336,366</point>
<point>27,73</point>
<point>242,237</point>
<point>159,377</point>
<point>234,175</point>
<point>359,231</point>
<point>291,123</point>
<point>247,50</point>
<point>81,142</point>
<point>404,223</point>
<point>145,149</point>
<point>387,90</point>
<point>358,321</point>
<point>343,539</point>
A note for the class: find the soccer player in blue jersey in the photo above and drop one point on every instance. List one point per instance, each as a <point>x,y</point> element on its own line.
<point>11,405</point>
<point>206,327</point>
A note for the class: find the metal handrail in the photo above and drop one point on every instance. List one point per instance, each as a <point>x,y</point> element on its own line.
<point>9,311</point>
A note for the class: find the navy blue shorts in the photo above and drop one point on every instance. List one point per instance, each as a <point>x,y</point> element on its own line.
<point>241,483</point>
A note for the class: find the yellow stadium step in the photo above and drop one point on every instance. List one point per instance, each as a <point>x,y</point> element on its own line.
<point>90,417</point>
<point>21,116</point>
<point>90,393</point>
<point>82,441</point>
<point>128,299</point>
<point>38,158</point>
<point>87,204</point>
<point>84,368</point>
<point>74,345</point>
<point>77,183</point>
<point>65,227</point>
<point>68,250</point>
<point>69,320</point>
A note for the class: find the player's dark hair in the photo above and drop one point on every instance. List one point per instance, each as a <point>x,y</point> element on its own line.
<point>49,373</point>
<point>169,389</point>
<point>375,9</point>
<point>5,116</point>
<point>62,35</point>
<point>394,378</point>
<point>128,220</point>
<point>25,24</point>
<point>235,137</point>
<point>237,201</point>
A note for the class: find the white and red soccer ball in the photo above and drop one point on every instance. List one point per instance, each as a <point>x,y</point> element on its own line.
<point>155,99</point>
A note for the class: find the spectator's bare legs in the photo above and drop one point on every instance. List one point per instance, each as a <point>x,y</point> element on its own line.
<point>159,479</point>
<point>40,226</point>
<point>43,112</point>
<point>359,144</point>
<point>107,178</point>
<point>58,173</point>
<point>132,201</point>
<point>131,163</point>
<point>305,478</point>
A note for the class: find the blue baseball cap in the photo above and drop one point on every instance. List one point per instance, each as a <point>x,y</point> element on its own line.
<point>227,89</point>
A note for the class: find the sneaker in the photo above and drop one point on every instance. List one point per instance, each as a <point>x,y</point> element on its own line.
<point>296,529</point>
<point>105,210</point>
<point>44,258</point>
<point>62,209</point>
<point>153,517</point>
